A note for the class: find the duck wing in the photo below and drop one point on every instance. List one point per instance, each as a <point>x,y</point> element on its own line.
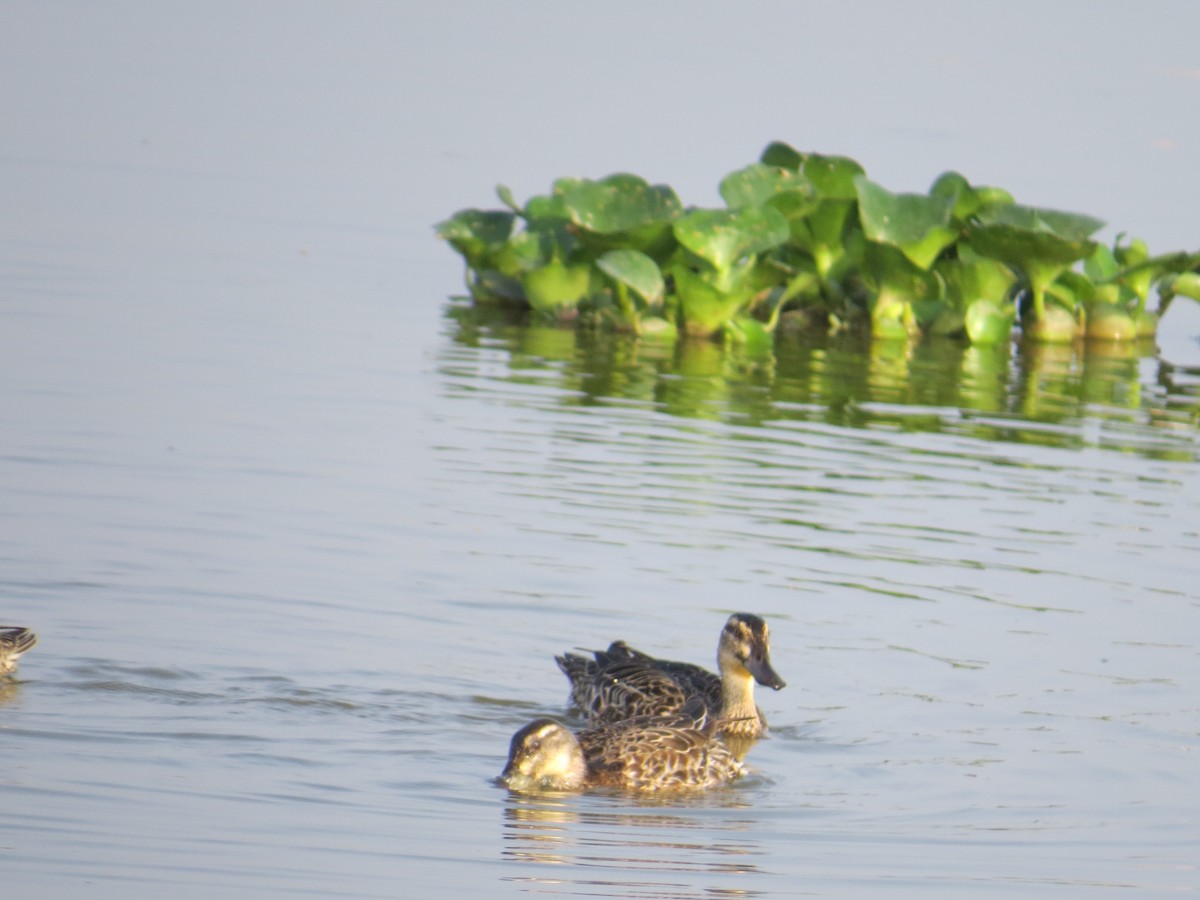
<point>629,689</point>
<point>654,753</point>
<point>696,681</point>
<point>613,686</point>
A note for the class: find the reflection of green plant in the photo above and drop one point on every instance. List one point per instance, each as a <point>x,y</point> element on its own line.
<point>810,233</point>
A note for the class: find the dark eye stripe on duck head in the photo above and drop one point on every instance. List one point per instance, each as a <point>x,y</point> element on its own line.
<point>530,737</point>
<point>746,626</point>
<point>753,648</point>
<point>745,632</point>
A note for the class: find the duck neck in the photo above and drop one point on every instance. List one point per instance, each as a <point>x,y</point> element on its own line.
<point>737,691</point>
<point>573,776</point>
<point>565,770</point>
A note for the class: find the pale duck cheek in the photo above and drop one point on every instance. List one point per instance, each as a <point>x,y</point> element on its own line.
<point>563,762</point>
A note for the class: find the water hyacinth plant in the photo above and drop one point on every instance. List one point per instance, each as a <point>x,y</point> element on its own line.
<point>811,234</point>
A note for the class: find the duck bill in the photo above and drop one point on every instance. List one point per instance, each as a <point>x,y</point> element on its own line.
<point>515,780</point>
<point>760,668</point>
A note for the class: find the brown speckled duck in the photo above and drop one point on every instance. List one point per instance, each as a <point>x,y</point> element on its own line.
<point>647,753</point>
<point>620,683</point>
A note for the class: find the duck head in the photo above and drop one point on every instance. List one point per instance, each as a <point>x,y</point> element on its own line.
<point>544,755</point>
<point>745,642</point>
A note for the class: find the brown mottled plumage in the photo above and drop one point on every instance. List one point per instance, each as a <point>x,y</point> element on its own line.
<point>646,753</point>
<point>14,641</point>
<point>620,682</point>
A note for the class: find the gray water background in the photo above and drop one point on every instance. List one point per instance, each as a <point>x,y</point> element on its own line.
<point>300,552</point>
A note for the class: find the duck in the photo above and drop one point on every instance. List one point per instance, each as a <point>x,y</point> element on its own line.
<point>14,640</point>
<point>621,682</point>
<point>643,754</point>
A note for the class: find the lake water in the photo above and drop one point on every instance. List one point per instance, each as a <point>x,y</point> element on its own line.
<point>301,533</point>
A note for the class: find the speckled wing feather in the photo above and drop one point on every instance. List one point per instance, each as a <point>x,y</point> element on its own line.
<point>611,689</point>
<point>696,681</point>
<point>653,753</point>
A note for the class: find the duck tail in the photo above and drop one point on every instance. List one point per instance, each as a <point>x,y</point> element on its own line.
<point>18,639</point>
<point>576,668</point>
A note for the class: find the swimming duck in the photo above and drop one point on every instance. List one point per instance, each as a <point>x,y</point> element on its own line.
<point>645,753</point>
<point>621,682</point>
<point>14,641</point>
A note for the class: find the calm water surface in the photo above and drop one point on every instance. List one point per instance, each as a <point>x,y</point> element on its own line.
<point>301,534</point>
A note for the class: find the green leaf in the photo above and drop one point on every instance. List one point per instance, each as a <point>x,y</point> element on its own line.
<point>506,197</point>
<point>1140,276</point>
<point>1186,283</point>
<point>826,236</point>
<point>888,266</point>
<point>1070,227</point>
<point>1131,254</point>
<point>619,203</point>
<point>899,286</point>
<point>1027,249</point>
<point>556,287</point>
<point>703,308</point>
<point>989,321</point>
<point>757,184</point>
<point>953,185</point>
<point>777,153</point>
<point>546,207</point>
<point>916,224</point>
<point>1039,242</point>
<point>724,237</point>
<point>477,234</point>
<point>567,183</point>
<point>992,197</point>
<point>635,270</point>
<point>1072,289</point>
<point>972,277</point>
<point>832,176</point>
<point>968,200</point>
<point>542,240</point>
<point>795,205</point>
<point>1101,265</point>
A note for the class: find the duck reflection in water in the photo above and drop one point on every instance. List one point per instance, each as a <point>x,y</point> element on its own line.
<point>665,833</point>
